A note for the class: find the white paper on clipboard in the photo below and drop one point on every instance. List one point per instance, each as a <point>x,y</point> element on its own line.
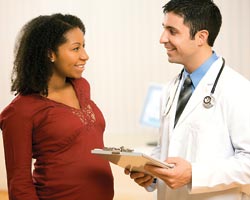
<point>133,161</point>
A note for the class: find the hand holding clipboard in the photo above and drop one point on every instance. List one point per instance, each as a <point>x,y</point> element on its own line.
<point>128,159</point>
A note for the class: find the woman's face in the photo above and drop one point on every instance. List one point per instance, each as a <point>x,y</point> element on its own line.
<point>71,57</point>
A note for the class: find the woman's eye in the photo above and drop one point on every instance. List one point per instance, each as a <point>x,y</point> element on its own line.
<point>76,49</point>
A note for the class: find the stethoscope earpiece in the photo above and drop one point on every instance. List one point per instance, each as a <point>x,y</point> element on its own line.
<point>208,101</point>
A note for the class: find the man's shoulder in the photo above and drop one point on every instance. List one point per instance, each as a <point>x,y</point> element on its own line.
<point>234,78</point>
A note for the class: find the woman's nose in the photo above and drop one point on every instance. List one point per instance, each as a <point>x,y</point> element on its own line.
<point>84,55</point>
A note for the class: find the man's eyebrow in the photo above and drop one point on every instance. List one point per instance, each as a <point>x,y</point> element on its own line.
<point>165,26</point>
<point>168,27</point>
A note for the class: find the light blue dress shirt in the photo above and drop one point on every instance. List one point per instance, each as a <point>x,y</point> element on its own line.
<point>198,74</point>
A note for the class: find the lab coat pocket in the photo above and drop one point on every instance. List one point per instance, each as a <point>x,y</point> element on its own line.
<point>210,137</point>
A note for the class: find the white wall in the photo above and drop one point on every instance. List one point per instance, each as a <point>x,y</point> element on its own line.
<point>122,40</point>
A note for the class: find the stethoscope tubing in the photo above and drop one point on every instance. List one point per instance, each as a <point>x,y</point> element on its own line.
<point>208,101</point>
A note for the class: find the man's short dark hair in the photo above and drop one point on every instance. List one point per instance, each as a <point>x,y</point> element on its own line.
<point>198,15</point>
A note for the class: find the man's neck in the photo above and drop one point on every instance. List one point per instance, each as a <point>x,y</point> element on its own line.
<point>198,59</point>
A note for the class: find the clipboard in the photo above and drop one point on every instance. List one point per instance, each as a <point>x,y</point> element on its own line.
<point>128,159</point>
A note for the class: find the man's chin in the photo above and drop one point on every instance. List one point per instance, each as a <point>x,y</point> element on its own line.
<point>171,60</point>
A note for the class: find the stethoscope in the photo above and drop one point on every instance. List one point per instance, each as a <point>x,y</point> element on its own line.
<point>208,101</point>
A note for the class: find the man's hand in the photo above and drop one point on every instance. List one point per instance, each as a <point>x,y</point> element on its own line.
<point>140,178</point>
<point>176,177</point>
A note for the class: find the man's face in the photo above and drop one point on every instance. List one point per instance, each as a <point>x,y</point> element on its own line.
<point>176,38</point>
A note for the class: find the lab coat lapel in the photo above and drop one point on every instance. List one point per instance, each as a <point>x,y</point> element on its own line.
<point>203,89</point>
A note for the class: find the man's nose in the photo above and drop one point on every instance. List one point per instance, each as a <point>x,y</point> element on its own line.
<point>164,37</point>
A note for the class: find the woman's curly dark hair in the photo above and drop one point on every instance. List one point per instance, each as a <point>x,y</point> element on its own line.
<point>32,67</point>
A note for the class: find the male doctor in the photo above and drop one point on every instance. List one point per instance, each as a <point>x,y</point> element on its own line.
<point>209,141</point>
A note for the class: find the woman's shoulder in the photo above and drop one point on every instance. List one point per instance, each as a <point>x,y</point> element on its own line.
<point>26,101</point>
<point>25,105</point>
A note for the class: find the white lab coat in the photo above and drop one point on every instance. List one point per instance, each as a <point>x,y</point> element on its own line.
<point>216,141</point>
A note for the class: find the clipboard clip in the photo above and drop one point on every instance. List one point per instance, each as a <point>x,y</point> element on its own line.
<point>116,150</point>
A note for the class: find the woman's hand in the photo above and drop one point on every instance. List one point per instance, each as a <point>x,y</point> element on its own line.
<point>140,178</point>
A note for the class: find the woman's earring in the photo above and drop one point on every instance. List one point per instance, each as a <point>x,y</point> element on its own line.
<point>52,60</point>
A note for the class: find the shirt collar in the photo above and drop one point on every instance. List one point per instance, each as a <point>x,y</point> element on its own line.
<point>198,74</point>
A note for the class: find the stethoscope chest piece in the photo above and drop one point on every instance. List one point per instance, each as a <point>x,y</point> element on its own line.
<point>208,101</point>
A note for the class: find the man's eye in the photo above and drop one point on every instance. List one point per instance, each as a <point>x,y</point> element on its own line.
<point>76,49</point>
<point>173,32</point>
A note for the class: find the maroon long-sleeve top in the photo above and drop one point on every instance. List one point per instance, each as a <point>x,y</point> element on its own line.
<point>59,138</point>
